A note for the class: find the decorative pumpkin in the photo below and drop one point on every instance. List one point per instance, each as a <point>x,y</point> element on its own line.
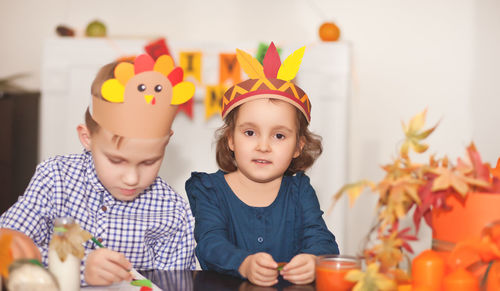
<point>329,31</point>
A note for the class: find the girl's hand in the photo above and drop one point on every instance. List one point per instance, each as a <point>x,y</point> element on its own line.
<point>105,267</point>
<point>300,270</point>
<point>260,269</point>
<point>22,247</point>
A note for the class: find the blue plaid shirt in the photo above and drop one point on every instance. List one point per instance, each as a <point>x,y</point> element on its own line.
<point>154,231</point>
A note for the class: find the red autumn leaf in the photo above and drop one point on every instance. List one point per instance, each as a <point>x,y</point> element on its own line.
<point>481,170</point>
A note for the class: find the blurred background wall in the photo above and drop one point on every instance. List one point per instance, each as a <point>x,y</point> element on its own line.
<point>406,56</point>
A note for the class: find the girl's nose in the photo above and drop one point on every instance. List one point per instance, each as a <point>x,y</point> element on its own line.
<point>131,176</point>
<point>264,145</point>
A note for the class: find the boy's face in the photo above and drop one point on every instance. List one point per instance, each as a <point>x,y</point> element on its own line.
<point>127,170</point>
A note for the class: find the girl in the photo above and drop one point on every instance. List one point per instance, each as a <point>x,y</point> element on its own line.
<point>260,208</point>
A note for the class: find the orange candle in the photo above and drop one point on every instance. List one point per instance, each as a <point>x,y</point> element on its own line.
<point>460,280</point>
<point>428,270</point>
<point>331,270</point>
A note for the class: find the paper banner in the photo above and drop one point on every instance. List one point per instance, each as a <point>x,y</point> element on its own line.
<point>187,108</point>
<point>157,48</point>
<point>191,63</point>
<point>213,99</point>
<point>229,69</point>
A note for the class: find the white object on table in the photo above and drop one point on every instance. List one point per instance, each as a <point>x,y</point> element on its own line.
<point>122,286</point>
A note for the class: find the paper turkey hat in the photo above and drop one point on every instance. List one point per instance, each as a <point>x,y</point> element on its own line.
<point>141,100</point>
<point>269,80</point>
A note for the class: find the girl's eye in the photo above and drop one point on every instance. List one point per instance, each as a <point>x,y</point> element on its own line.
<point>280,136</point>
<point>114,161</point>
<point>141,88</point>
<point>249,133</point>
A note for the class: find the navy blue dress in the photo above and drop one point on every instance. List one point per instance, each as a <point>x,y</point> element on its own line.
<point>227,230</point>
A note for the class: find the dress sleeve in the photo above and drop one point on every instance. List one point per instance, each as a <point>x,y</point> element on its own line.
<point>214,250</point>
<point>317,240</point>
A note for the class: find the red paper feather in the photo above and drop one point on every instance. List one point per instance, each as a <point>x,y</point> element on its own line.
<point>271,62</point>
<point>176,76</point>
<point>143,63</point>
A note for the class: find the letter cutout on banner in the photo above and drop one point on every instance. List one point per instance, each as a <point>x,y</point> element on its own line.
<point>191,64</point>
<point>213,99</point>
<point>229,69</point>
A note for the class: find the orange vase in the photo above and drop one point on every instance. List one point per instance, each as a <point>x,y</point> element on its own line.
<point>466,219</point>
<point>331,270</point>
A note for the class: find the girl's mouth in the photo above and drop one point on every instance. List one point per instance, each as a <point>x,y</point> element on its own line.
<point>258,161</point>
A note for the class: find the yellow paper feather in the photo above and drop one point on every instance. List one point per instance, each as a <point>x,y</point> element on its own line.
<point>182,92</point>
<point>290,66</point>
<point>250,65</point>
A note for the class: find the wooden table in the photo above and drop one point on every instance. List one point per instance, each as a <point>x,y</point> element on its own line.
<point>208,280</point>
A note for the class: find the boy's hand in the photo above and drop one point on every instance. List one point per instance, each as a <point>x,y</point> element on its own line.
<point>300,270</point>
<point>22,247</point>
<point>260,269</point>
<point>105,267</point>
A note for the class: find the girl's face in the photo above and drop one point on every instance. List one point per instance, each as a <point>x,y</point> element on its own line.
<point>264,140</point>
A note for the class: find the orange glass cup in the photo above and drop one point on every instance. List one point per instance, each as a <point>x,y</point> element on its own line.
<point>331,270</point>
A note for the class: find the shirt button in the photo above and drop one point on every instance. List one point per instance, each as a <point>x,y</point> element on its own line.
<point>259,217</point>
<point>104,208</point>
<point>260,239</point>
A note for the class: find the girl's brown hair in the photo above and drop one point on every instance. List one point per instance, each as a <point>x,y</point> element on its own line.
<point>310,152</point>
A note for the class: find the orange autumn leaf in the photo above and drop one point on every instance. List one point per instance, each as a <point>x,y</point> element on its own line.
<point>496,171</point>
<point>5,254</point>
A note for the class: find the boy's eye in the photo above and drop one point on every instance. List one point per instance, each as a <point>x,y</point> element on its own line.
<point>149,163</point>
<point>280,136</point>
<point>249,133</point>
<point>115,161</point>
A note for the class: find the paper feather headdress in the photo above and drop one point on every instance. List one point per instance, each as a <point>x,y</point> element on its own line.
<point>142,99</point>
<point>270,80</point>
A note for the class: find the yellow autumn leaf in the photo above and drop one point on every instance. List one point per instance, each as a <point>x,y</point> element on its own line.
<point>290,66</point>
<point>353,190</point>
<point>414,135</point>
<point>417,121</point>
<point>388,252</point>
<point>250,65</point>
<point>370,280</point>
<point>447,178</point>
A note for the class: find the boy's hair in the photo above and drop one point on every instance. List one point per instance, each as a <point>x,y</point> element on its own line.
<point>310,152</point>
<point>104,74</point>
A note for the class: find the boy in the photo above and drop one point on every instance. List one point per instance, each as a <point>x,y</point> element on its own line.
<point>112,189</point>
